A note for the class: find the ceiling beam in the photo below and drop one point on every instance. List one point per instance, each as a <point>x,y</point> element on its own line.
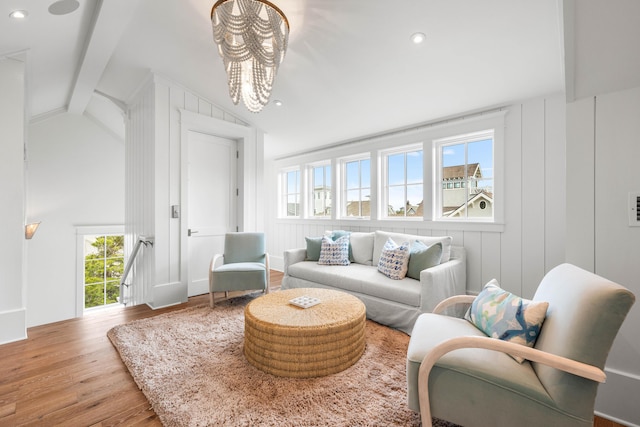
<point>110,20</point>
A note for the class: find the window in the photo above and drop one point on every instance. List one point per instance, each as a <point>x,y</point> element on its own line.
<point>465,166</point>
<point>321,191</point>
<point>103,268</point>
<point>403,190</point>
<point>357,188</point>
<point>291,193</point>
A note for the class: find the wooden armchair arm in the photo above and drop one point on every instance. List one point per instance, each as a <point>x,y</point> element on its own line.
<point>454,300</point>
<point>266,264</point>
<point>568,365</point>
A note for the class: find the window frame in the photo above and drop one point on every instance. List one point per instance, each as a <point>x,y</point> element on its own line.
<point>438,181</point>
<point>284,192</point>
<point>344,188</point>
<point>384,187</point>
<point>81,234</point>
<point>311,200</point>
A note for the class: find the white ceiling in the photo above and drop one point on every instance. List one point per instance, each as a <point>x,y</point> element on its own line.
<point>350,70</point>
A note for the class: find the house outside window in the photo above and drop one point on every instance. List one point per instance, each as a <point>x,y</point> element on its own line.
<point>290,192</point>
<point>320,190</point>
<point>465,167</point>
<point>403,178</point>
<point>356,185</point>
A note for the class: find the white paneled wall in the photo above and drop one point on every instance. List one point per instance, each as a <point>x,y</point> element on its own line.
<point>154,183</point>
<point>518,252</point>
<point>12,198</point>
<point>603,143</point>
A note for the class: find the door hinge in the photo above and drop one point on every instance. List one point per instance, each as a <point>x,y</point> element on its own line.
<point>237,229</point>
<point>237,154</point>
<point>237,192</point>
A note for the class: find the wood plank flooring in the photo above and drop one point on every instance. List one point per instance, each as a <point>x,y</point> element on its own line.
<point>68,373</point>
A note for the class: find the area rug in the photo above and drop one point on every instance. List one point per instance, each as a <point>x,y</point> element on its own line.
<point>190,366</point>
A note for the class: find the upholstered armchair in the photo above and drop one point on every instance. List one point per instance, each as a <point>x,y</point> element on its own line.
<point>457,373</point>
<point>243,266</point>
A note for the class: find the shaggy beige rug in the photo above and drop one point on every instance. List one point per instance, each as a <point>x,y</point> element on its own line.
<point>191,367</point>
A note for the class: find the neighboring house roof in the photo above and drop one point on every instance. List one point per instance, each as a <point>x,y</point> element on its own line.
<point>457,172</point>
<point>453,210</point>
<point>353,208</point>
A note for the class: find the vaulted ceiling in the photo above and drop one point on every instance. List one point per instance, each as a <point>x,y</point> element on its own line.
<point>350,70</point>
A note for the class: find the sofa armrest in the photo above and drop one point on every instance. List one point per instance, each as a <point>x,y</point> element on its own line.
<point>443,281</point>
<point>292,256</point>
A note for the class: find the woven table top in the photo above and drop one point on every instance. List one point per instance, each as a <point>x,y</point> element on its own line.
<point>335,308</point>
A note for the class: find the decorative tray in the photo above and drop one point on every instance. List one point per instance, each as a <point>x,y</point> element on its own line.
<point>304,301</point>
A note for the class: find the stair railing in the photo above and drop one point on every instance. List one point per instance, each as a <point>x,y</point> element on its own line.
<point>142,240</point>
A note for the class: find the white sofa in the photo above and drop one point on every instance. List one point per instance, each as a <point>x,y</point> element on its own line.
<point>395,303</point>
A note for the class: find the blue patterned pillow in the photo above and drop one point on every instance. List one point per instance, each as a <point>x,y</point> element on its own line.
<point>502,315</point>
<point>394,260</point>
<point>334,252</point>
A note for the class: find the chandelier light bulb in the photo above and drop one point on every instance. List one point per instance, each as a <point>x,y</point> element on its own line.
<point>252,38</point>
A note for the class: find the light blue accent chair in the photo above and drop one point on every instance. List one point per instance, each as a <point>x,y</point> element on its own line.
<point>244,266</point>
<point>456,373</point>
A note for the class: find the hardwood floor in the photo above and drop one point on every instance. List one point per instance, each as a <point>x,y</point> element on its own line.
<point>68,373</point>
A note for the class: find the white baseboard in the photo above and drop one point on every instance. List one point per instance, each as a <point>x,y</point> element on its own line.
<point>167,294</point>
<point>13,325</point>
<point>276,262</point>
<point>617,398</point>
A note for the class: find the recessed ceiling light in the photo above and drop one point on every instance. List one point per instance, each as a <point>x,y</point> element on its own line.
<point>63,7</point>
<point>418,38</point>
<point>277,102</point>
<point>19,14</point>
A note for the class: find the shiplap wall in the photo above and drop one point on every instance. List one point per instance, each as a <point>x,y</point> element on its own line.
<point>153,176</point>
<point>519,253</point>
<point>13,323</point>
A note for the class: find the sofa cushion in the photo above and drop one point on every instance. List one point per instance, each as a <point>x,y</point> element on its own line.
<point>314,244</point>
<point>394,260</point>
<point>334,252</point>
<point>478,368</point>
<point>422,257</point>
<point>362,247</point>
<point>381,238</point>
<point>502,315</point>
<point>363,279</point>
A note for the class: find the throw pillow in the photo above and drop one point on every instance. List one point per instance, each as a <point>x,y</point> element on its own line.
<point>394,260</point>
<point>313,248</point>
<point>336,234</point>
<point>422,256</point>
<point>334,253</point>
<point>505,316</point>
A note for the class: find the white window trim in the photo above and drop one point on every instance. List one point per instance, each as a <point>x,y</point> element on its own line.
<point>283,195</point>
<point>342,214</point>
<point>311,190</point>
<point>81,232</point>
<point>384,184</point>
<point>497,132</point>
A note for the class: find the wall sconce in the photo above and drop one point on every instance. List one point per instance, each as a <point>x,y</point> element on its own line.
<point>30,230</point>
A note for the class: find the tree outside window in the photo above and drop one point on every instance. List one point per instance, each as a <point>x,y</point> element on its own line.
<point>103,268</point>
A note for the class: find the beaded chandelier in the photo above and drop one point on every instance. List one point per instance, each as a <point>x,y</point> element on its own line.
<point>252,37</point>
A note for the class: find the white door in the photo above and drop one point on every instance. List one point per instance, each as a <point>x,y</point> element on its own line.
<point>211,203</point>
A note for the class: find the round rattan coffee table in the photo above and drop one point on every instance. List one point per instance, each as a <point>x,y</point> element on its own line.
<point>288,341</point>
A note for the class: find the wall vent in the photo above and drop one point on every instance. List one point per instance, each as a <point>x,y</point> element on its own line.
<point>634,209</point>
